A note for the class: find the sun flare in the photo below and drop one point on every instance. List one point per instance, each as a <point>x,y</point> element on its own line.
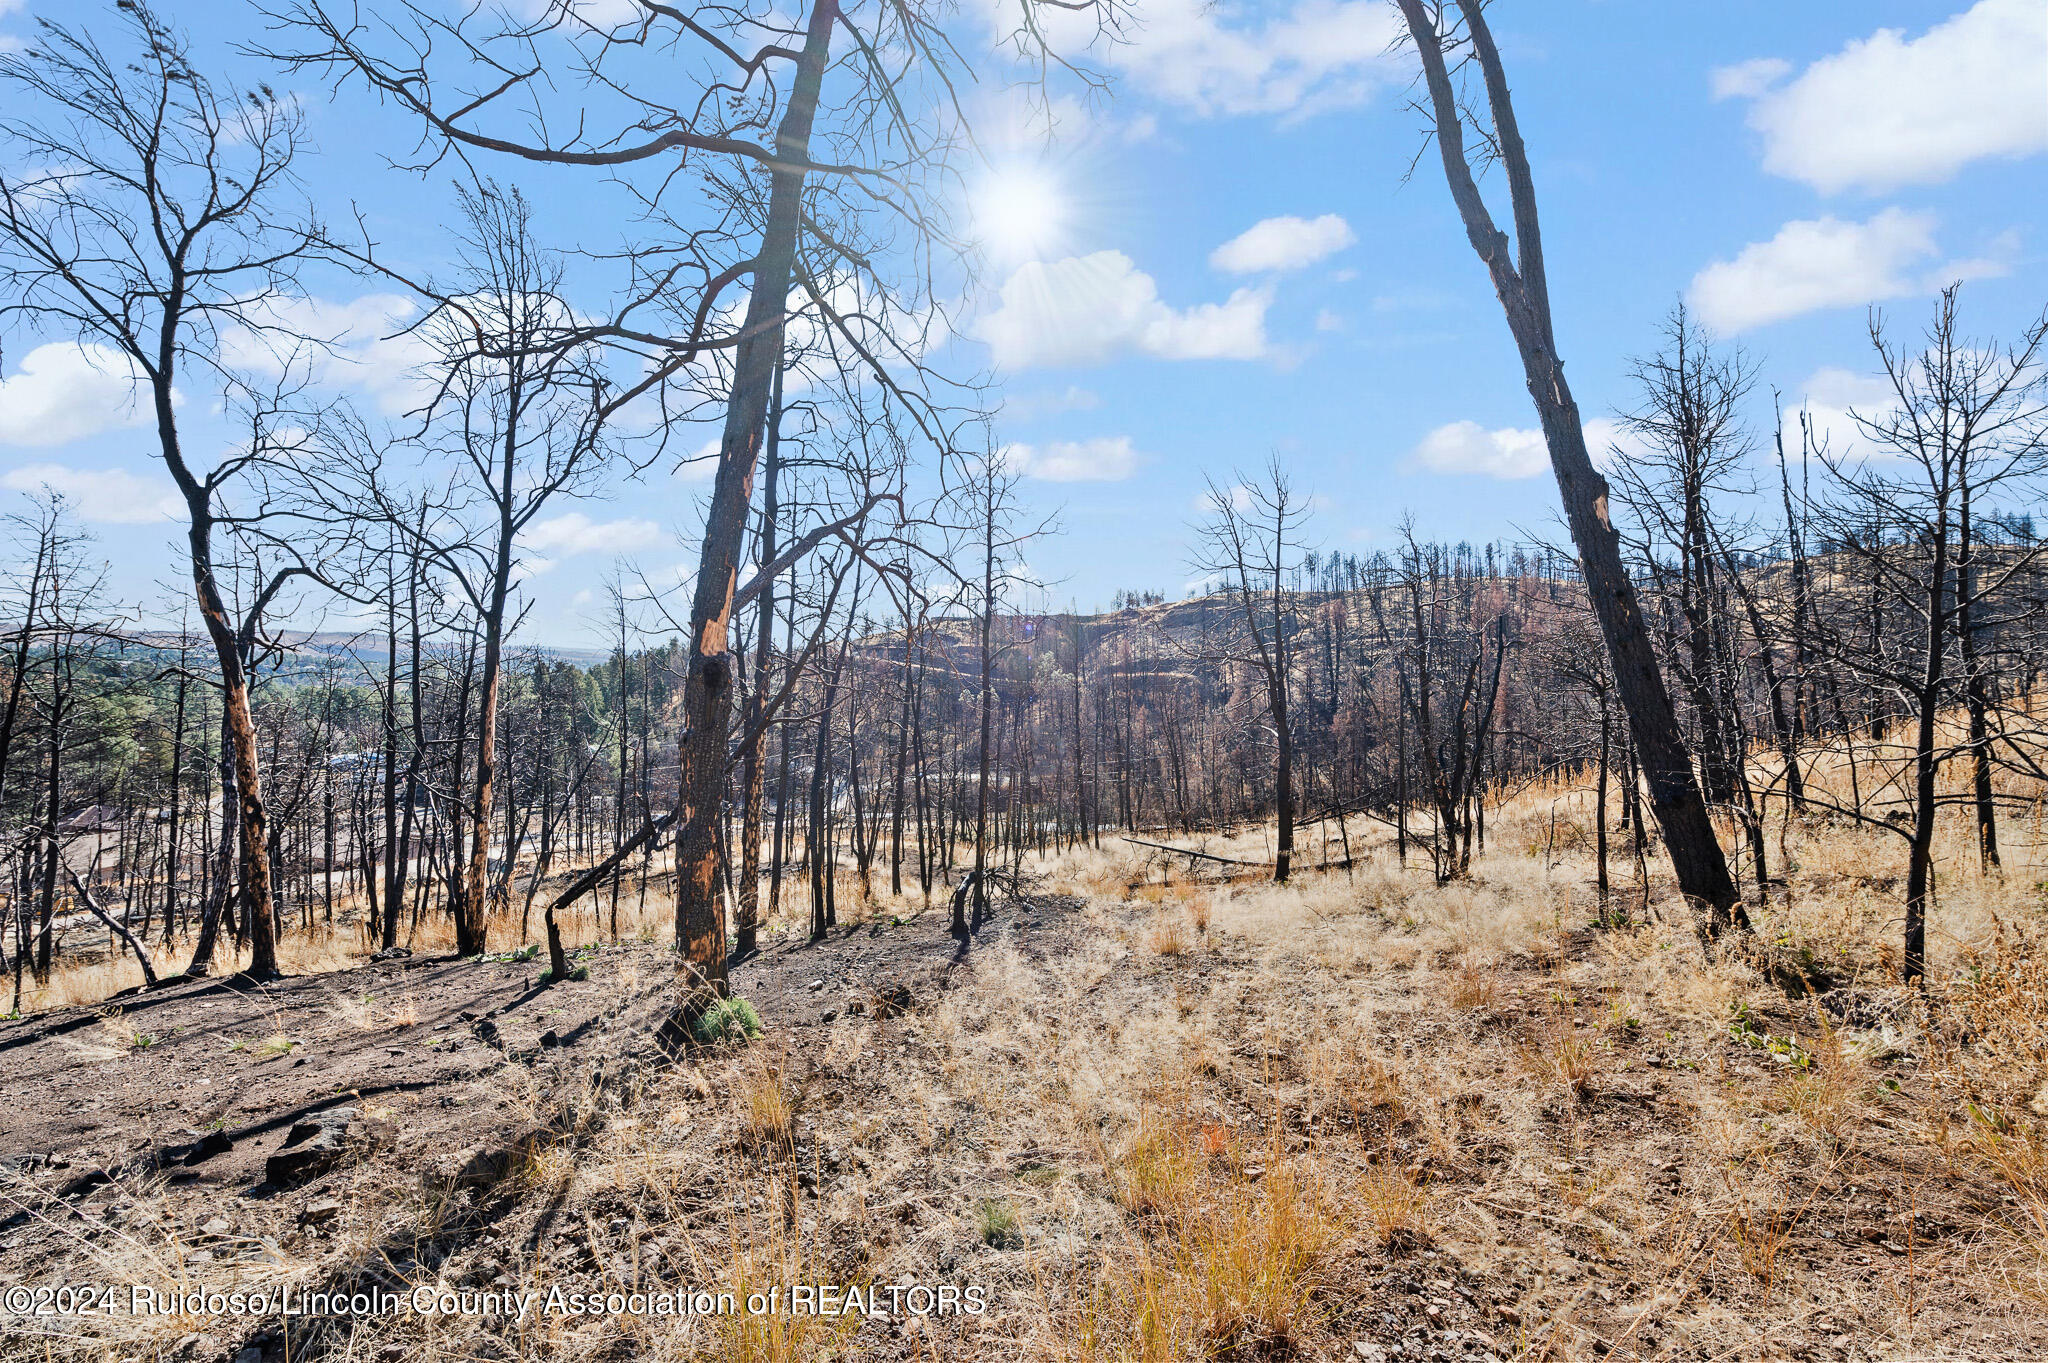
<point>1020,213</point>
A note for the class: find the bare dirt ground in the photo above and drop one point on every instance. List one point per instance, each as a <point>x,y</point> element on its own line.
<point>1360,1118</point>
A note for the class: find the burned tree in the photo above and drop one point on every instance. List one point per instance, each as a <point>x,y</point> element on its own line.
<point>1521,283</point>
<point>782,216</point>
<point>1966,425</point>
<point>151,220</point>
<point>1250,543</point>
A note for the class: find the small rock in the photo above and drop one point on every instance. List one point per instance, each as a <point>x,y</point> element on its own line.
<point>321,1209</point>
<point>314,1146</point>
<point>550,1039</point>
<point>252,1354</point>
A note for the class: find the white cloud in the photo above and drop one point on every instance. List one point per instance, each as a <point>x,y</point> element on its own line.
<point>701,465</point>
<point>65,391</point>
<point>576,533</point>
<point>1828,396</point>
<point>1889,110</point>
<point>1829,263</point>
<point>1512,453</point>
<point>1611,443</point>
<point>1072,398</point>
<point>1208,503</point>
<point>1747,80</point>
<point>1285,243</point>
<point>107,496</point>
<point>1229,58</point>
<point>1086,309</point>
<point>595,13</point>
<point>366,346</point>
<point>1106,459</point>
<point>1468,447</point>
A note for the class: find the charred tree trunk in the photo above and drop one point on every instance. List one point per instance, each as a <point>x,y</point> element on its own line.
<point>1523,291</point>
<point>707,692</point>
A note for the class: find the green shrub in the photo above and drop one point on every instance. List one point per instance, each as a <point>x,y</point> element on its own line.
<point>723,1018</point>
<point>996,1222</point>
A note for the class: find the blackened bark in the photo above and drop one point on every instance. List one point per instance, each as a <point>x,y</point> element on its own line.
<point>707,693</point>
<point>1696,854</point>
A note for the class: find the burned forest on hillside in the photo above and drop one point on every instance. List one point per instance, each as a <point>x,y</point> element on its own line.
<point>890,910</point>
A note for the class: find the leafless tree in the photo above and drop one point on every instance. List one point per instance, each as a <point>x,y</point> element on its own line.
<point>1250,544</point>
<point>151,218</point>
<point>1966,427</point>
<point>513,424</point>
<point>783,217</point>
<point>1522,284</point>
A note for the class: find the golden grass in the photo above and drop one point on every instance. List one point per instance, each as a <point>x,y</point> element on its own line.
<point>1220,1111</point>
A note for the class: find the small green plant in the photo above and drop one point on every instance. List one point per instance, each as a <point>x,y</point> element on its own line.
<point>579,973</point>
<point>996,1222</point>
<point>142,1041</point>
<point>1742,1027</point>
<point>724,1018</point>
<point>267,1049</point>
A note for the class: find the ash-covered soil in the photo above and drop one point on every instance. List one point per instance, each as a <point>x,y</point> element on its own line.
<point>1363,1118</point>
<point>219,1133</point>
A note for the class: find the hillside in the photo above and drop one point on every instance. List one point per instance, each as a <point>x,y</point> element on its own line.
<point>1362,1118</point>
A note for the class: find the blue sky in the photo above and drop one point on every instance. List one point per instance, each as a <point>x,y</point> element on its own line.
<point>1223,261</point>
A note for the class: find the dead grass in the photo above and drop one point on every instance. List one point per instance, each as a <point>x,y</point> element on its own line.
<point>1256,1122</point>
<point>766,1104</point>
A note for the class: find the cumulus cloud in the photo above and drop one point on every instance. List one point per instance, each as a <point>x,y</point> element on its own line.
<point>1468,447</point>
<point>1286,243</point>
<point>1106,459</point>
<point>1831,399</point>
<point>365,346</point>
<point>1889,110</point>
<point>576,533</point>
<point>1512,453</point>
<point>65,391</point>
<point>105,496</point>
<point>1829,263</point>
<point>1086,309</point>
<point>1240,59</point>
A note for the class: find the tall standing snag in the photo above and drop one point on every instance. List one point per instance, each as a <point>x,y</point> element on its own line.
<point>1248,542</point>
<point>1524,296</point>
<point>791,239</point>
<point>145,226</point>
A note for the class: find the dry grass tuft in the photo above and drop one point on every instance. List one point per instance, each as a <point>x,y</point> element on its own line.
<point>1168,937</point>
<point>1563,1053</point>
<point>767,1105</point>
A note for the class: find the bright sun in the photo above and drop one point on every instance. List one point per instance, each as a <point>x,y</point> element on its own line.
<point>1020,213</point>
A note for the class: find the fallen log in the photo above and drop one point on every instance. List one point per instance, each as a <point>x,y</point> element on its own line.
<point>120,929</point>
<point>1342,864</point>
<point>1205,856</point>
<point>558,960</point>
